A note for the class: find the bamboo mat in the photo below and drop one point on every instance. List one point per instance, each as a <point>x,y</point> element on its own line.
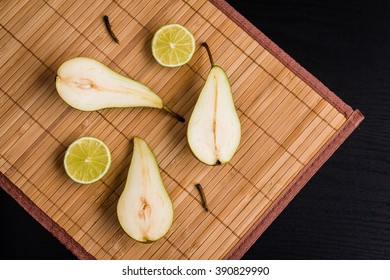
<point>291,124</point>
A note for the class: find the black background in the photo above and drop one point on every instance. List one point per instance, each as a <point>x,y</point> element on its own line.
<point>344,210</point>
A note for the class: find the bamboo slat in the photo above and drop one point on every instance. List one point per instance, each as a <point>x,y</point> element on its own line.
<point>285,122</point>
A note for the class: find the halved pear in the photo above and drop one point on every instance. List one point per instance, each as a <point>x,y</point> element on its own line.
<point>144,209</point>
<point>214,129</point>
<point>87,84</point>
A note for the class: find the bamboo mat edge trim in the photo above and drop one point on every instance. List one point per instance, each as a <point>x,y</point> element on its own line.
<point>354,117</point>
<point>295,186</point>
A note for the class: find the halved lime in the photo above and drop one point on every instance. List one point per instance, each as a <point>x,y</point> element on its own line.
<point>87,160</point>
<point>173,45</point>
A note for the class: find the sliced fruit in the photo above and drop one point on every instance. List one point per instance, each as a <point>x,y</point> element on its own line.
<point>173,45</point>
<point>214,129</point>
<point>144,209</point>
<point>88,85</point>
<point>87,160</point>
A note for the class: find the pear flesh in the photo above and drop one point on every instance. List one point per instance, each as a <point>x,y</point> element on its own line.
<point>144,209</point>
<point>87,84</point>
<point>214,129</point>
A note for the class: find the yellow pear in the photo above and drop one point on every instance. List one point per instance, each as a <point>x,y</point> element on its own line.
<point>87,84</point>
<point>144,209</point>
<point>214,129</point>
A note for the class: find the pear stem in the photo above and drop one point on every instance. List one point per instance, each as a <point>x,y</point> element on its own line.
<point>177,116</point>
<point>109,29</point>
<point>202,196</point>
<point>204,44</point>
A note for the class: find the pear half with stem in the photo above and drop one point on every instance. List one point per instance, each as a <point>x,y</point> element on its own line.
<point>214,129</point>
<point>87,84</point>
<point>144,209</point>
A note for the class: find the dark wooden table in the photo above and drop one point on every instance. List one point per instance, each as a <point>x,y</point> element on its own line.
<point>344,211</point>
